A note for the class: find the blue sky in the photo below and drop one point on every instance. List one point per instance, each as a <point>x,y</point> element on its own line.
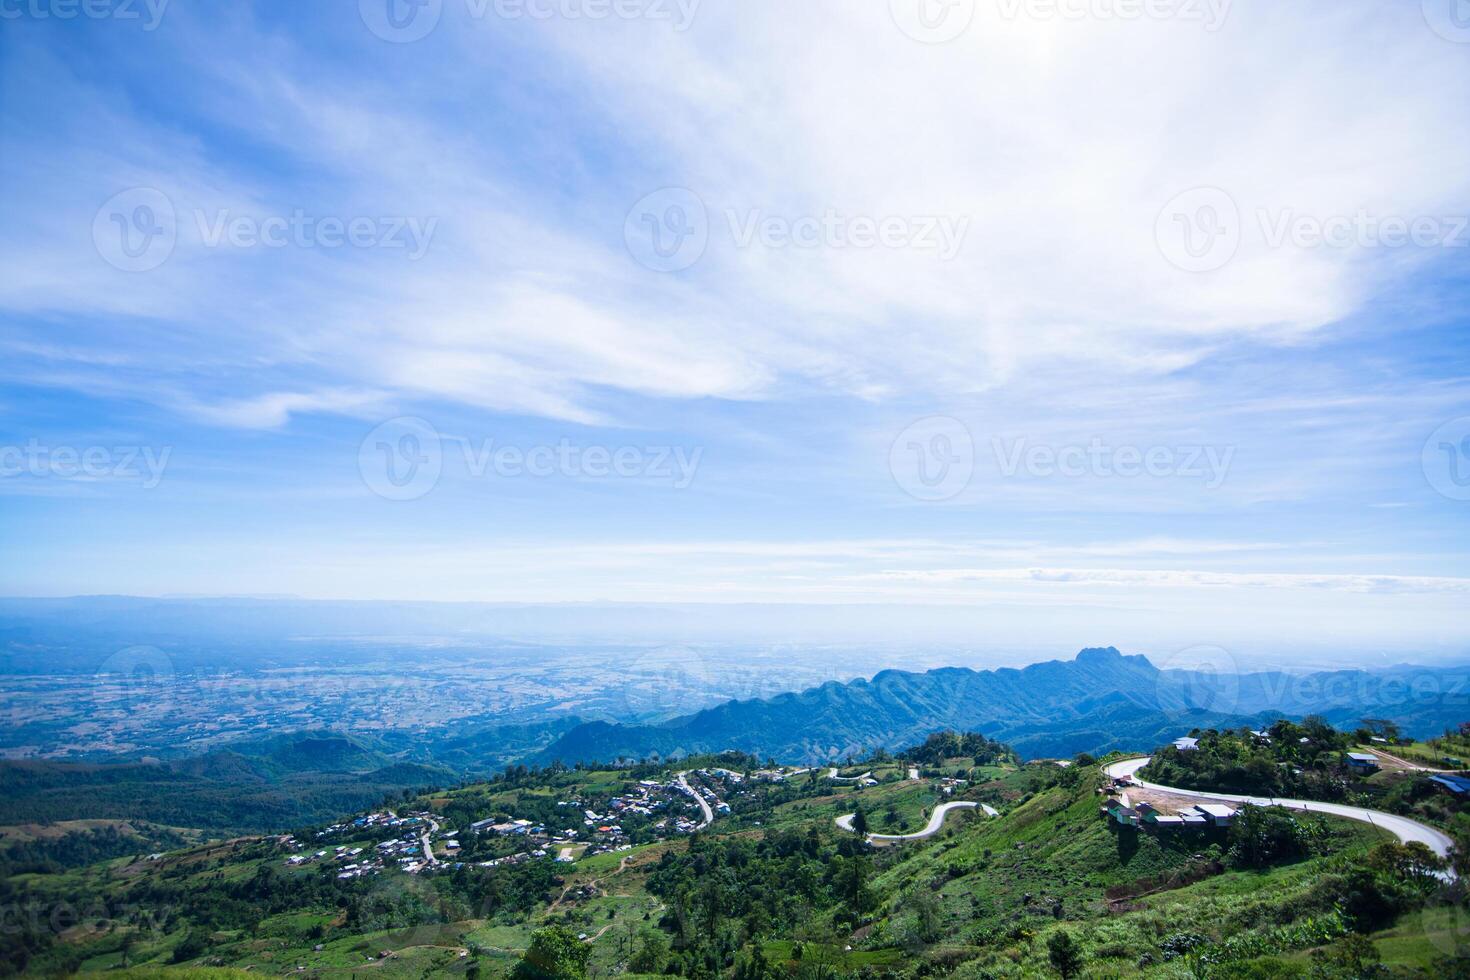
<point>1099,245</point>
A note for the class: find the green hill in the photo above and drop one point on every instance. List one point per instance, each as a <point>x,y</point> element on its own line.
<point>772,889</point>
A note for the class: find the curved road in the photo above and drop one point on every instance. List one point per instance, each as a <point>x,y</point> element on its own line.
<point>1403,828</point>
<point>832,775</point>
<point>428,848</point>
<point>936,820</point>
<point>709,815</point>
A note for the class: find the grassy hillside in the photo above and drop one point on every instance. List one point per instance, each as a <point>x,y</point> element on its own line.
<point>772,889</point>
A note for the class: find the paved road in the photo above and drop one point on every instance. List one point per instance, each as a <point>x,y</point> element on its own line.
<point>936,820</point>
<point>1403,828</point>
<point>832,774</point>
<point>428,849</point>
<point>709,815</point>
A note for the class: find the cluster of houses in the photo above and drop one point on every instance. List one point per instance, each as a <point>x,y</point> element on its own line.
<point>948,785</point>
<point>1362,763</point>
<point>352,864</point>
<point>732,781</point>
<point>602,830</point>
<point>1199,816</point>
<point>382,818</point>
<point>777,775</point>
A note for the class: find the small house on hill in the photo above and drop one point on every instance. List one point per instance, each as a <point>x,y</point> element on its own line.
<point>1362,762</point>
<point>1458,785</point>
<point>1121,813</point>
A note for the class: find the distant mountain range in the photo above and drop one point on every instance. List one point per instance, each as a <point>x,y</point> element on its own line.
<point>1100,701</point>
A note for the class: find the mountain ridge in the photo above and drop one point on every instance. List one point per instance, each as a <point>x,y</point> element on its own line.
<point>1100,700</point>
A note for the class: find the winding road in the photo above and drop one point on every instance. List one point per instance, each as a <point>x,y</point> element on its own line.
<point>709,815</point>
<point>1403,828</point>
<point>428,848</point>
<point>832,775</point>
<point>936,820</point>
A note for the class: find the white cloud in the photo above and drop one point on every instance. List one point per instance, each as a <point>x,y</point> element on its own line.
<point>1058,141</point>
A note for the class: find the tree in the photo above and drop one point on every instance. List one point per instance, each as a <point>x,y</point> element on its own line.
<point>860,821</point>
<point>653,953</point>
<point>193,945</point>
<point>851,879</point>
<point>1064,953</point>
<point>1383,728</point>
<point>1354,957</point>
<point>1264,835</point>
<point>555,954</point>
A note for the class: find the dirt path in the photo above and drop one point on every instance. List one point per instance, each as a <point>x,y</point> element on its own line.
<point>1400,763</point>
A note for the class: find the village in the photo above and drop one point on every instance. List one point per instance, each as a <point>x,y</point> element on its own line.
<point>651,811</point>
